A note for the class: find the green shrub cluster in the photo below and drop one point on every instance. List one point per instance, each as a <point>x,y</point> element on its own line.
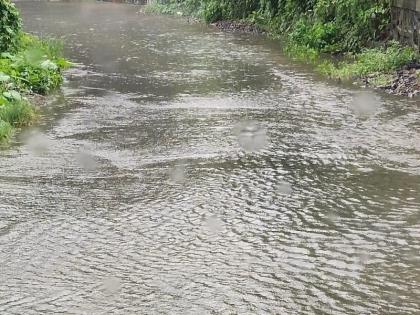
<point>379,61</point>
<point>35,68</point>
<point>27,65</point>
<point>324,25</point>
<point>10,25</point>
<point>341,25</point>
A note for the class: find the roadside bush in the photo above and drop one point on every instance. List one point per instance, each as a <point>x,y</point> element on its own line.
<point>16,112</point>
<point>369,61</point>
<point>318,36</point>
<point>5,130</point>
<point>10,26</point>
<point>27,65</point>
<point>324,25</point>
<point>35,68</point>
<point>213,12</point>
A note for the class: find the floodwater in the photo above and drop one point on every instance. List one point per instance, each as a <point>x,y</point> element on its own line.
<point>183,170</point>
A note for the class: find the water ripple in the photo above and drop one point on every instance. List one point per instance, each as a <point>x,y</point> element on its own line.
<point>146,202</point>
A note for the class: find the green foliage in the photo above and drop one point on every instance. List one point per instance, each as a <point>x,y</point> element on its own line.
<point>318,36</point>
<point>209,10</point>
<point>36,67</point>
<point>371,61</point>
<point>158,8</point>
<point>10,26</point>
<point>17,113</point>
<point>357,21</point>
<point>324,25</point>
<point>27,65</point>
<point>186,7</point>
<point>302,53</point>
<point>213,12</point>
<point>333,25</point>
<point>5,130</point>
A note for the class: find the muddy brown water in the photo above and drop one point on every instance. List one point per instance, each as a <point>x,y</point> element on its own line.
<point>182,170</point>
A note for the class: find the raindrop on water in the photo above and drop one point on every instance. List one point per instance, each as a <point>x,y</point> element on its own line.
<point>252,137</point>
<point>365,104</point>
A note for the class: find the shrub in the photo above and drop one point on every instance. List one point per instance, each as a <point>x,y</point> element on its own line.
<point>5,130</point>
<point>10,26</point>
<point>369,61</point>
<point>36,67</point>
<point>213,12</point>
<point>324,25</point>
<point>17,113</point>
<point>27,65</point>
<point>318,36</point>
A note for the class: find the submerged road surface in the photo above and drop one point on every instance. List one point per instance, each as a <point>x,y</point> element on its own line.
<point>187,171</point>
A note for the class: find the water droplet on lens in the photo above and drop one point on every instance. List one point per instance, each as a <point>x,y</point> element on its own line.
<point>332,217</point>
<point>364,258</point>
<point>38,143</point>
<point>214,224</point>
<point>111,286</point>
<point>252,137</point>
<point>284,188</point>
<point>365,104</point>
<point>414,255</point>
<point>86,160</point>
<point>177,174</point>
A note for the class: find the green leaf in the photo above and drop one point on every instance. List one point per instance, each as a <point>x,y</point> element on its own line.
<point>12,95</point>
<point>4,77</point>
<point>3,100</point>
<point>34,56</point>
<point>7,55</point>
<point>63,63</point>
<point>9,30</point>
<point>49,65</point>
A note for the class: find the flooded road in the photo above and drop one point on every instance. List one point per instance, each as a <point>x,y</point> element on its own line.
<point>187,171</point>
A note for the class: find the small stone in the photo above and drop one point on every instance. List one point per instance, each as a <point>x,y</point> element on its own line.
<point>413,94</point>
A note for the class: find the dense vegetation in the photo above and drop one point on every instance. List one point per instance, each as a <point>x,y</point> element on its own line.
<point>354,29</point>
<point>27,65</point>
<point>9,26</point>
<point>324,25</point>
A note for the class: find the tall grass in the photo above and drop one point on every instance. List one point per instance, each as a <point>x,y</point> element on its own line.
<point>36,66</point>
<point>17,113</point>
<point>5,130</point>
<point>370,61</point>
